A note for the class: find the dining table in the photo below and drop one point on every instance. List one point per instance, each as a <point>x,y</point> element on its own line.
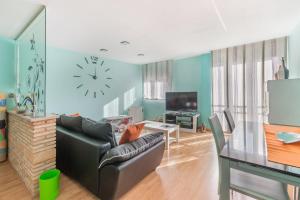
<point>246,150</point>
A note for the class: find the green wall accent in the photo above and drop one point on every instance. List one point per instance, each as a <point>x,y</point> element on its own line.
<point>7,65</point>
<point>205,88</point>
<point>294,53</point>
<point>153,108</point>
<point>63,97</point>
<point>189,74</point>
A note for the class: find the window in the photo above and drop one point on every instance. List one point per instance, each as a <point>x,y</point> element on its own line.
<point>240,76</point>
<point>157,79</point>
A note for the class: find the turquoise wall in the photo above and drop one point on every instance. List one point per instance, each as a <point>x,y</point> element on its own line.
<point>294,53</point>
<point>190,74</point>
<point>7,65</point>
<point>153,109</point>
<point>205,88</point>
<point>64,97</point>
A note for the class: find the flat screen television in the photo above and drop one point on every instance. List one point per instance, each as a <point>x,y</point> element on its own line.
<point>181,101</point>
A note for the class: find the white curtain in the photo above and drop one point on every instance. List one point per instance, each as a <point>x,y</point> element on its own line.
<point>157,79</point>
<point>240,76</point>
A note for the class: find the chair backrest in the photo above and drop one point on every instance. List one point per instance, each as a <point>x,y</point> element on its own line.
<point>217,131</point>
<point>229,119</point>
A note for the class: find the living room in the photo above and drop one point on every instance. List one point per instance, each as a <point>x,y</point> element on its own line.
<point>149,100</point>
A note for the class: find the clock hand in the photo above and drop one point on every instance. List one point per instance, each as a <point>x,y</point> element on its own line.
<point>93,76</point>
<point>95,72</point>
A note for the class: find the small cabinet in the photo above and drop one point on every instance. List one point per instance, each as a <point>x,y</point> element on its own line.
<point>186,121</point>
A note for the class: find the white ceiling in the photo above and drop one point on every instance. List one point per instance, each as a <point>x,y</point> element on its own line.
<point>164,29</point>
<point>15,15</point>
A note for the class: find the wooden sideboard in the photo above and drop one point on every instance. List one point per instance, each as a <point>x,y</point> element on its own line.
<point>31,147</point>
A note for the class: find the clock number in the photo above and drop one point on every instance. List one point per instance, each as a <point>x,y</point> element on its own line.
<point>94,59</point>
<point>87,91</point>
<point>79,86</point>
<point>107,86</point>
<point>76,76</point>
<point>86,60</point>
<point>79,66</point>
<point>102,92</point>
<point>107,69</point>
<point>102,63</point>
<point>95,94</point>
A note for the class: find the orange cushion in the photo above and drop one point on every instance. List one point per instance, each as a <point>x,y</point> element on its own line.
<point>132,133</point>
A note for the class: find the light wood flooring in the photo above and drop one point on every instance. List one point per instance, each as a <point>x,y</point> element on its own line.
<point>188,171</point>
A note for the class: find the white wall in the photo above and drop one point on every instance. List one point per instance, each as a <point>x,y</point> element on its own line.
<point>294,53</point>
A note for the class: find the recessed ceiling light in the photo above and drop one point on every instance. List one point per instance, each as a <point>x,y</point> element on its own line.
<point>140,54</point>
<point>104,50</point>
<point>125,42</point>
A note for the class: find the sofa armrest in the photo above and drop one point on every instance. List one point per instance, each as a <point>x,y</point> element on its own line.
<point>118,178</point>
<point>78,156</point>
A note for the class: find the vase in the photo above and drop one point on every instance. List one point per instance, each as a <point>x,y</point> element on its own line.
<point>286,71</point>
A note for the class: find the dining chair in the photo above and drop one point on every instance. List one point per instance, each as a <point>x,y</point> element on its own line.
<point>248,184</point>
<point>229,119</point>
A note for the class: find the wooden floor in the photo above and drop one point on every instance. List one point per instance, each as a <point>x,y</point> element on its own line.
<point>189,170</point>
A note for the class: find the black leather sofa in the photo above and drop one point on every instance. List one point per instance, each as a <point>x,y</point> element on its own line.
<point>79,155</point>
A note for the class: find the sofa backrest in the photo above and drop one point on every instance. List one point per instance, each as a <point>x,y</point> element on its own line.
<point>96,130</point>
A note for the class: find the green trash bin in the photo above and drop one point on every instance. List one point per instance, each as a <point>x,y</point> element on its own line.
<point>49,184</point>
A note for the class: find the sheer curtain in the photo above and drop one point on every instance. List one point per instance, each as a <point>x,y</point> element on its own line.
<point>157,79</point>
<point>240,76</point>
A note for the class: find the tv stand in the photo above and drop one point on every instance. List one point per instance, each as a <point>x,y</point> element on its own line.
<point>186,120</point>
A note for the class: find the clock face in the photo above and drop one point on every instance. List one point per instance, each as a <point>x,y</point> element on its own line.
<point>92,77</point>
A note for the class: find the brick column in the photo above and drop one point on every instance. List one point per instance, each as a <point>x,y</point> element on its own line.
<point>31,147</point>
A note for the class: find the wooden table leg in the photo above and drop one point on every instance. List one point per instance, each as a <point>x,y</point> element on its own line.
<point>167,140</point>
<point>225,179</point>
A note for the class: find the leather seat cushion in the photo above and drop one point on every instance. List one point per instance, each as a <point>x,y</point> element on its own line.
<point>129,150</point>
<point>99,130</point>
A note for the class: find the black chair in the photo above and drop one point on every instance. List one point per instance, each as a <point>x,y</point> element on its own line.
<point>248,184</point>
<point>229,119</point>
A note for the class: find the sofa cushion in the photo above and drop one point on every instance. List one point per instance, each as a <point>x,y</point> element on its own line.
<point>99,130</point>
<point>132,133</point>
<point>129,150</point>
<point>58,119</point>
<point>72,122</point>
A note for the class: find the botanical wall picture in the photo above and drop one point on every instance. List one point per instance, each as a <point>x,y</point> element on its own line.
<point>36,76</point>
<point>31,64</point>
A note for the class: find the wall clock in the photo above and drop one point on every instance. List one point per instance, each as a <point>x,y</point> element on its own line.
<point>93,77</point>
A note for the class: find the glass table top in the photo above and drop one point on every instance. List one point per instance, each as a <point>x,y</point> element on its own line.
<point>247,144</point>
